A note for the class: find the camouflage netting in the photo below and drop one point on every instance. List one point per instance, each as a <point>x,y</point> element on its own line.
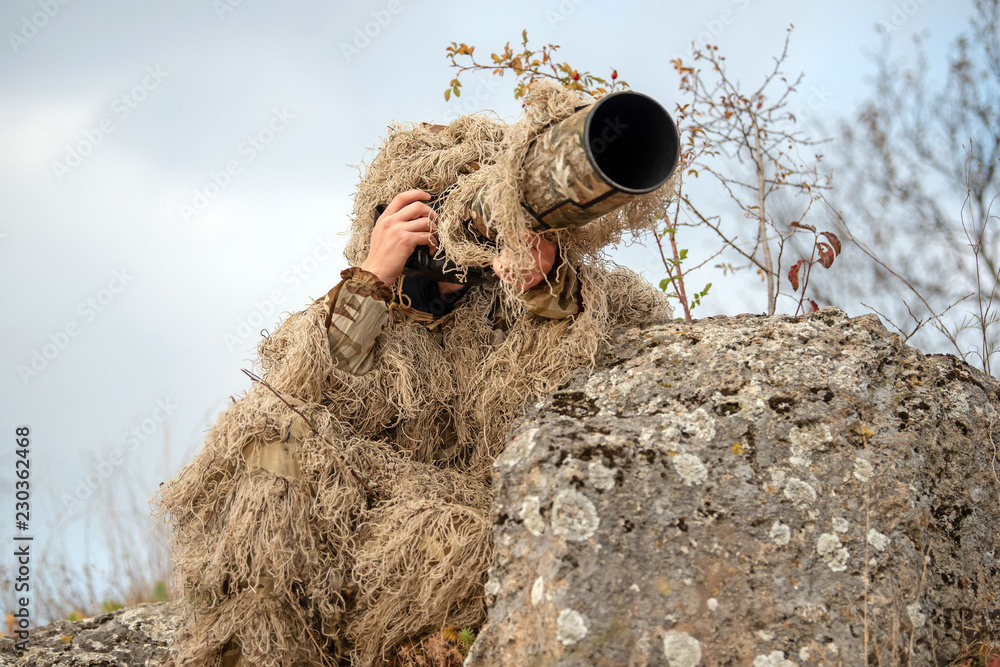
<point>278,549</point>
<point>458,162</point>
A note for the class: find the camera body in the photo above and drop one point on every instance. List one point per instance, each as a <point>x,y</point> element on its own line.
<point>422,264</point>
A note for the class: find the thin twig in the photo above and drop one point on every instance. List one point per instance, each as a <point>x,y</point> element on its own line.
<point>936,317</point>
<point>679,283</point>
<point>808,272</point>
<point>715,228</point>
<point>295,607</point>
<point>369,490</point>
<point>758,158</point>
<point>707,260</point>
<point>676,279</point>
<point>888,321</point>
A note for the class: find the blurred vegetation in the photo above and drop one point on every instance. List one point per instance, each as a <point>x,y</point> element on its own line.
<point>123,561</point>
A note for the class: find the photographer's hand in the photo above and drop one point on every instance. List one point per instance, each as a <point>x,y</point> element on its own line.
<point>406,223</point>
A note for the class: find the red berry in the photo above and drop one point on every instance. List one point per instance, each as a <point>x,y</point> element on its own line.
<point>614,74</point>
<point>576,76</point>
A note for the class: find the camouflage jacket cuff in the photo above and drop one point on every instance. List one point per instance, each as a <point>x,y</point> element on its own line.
<point>357,310</point>
<point>369,281</point>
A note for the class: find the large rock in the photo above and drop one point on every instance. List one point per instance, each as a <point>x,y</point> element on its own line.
<point>746,491</point>
<point>133,637</point>
<point>750,491</point>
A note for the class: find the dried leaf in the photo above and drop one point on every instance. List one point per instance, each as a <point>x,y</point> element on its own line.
<point>812,306</point>
<point>796,223</point>
<point>834,241</point>
<point>826,254</point>
<point>793,274</point>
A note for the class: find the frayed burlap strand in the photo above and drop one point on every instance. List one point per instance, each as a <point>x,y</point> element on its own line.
<point>422,568</point>
<point>276,547</point>
<point>477,151</point>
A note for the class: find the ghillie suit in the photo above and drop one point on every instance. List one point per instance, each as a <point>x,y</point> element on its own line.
<point>282,554</point>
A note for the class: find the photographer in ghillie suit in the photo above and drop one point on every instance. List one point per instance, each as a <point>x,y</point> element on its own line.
<point>284,557</point>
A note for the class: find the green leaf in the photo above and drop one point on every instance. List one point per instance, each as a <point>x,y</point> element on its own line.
<point>447,95</point>
<point>684,254</point>
<point>664,284</point>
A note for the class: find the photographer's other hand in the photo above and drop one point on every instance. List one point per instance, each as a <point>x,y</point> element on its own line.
<point>406,223</point>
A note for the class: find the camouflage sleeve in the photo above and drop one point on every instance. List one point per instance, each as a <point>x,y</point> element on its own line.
<point>558,297</point>
<point>356,312</point>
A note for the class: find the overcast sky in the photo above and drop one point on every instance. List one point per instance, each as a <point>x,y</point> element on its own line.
<point>175,174</point>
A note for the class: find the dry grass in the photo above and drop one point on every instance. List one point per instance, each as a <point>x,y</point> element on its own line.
<point>978,655</point>
<point>67,581</point>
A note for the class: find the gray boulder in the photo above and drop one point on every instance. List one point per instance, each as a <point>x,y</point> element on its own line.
<point>132,637</point>
<point>736,491</point>
<point>750,491</point>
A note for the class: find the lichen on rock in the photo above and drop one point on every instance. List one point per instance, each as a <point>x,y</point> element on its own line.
<point>777,483</point>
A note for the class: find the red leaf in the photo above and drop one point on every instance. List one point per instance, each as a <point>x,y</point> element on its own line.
<point>826,254</point>
<point>834,241</point>
<point>812,306</point>
<point>793,274</point>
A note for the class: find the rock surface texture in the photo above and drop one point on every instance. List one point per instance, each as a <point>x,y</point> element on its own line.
<point>735,491</point>
<point>750,491</point>
<point>133,637</point>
